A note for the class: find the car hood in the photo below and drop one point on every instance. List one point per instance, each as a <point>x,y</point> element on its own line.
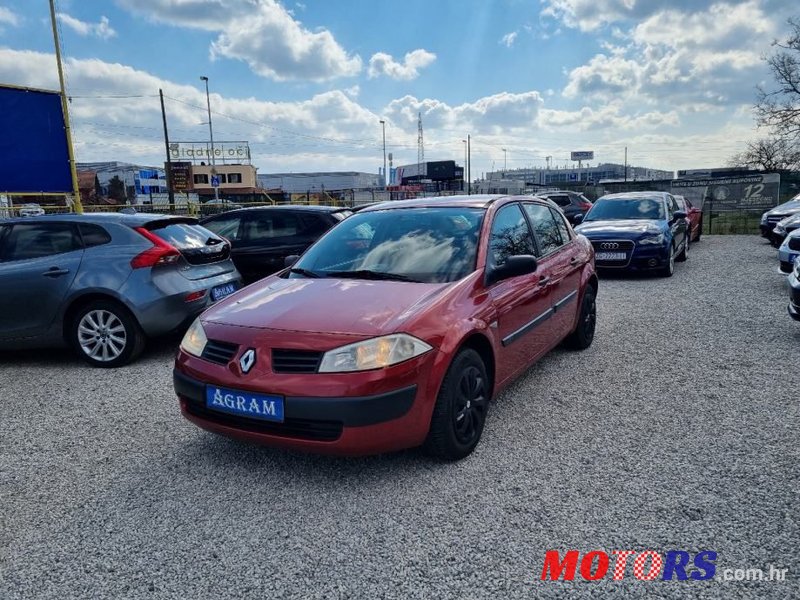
<point>787,208</point>
<point>347,306</point>
<point>627,227</point>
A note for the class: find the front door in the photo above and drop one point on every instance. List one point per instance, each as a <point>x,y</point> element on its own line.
<point>523,303</point>
<point>38,262</point>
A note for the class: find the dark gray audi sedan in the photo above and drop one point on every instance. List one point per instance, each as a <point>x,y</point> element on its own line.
<point>103,283</point>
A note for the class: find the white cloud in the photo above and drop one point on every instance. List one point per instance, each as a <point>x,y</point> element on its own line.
<point>102,29</point>
<point>685,58</point>
<point>383,64</point>
<point>508,39</point>
<point>261,33</point>
<point>8,17</point>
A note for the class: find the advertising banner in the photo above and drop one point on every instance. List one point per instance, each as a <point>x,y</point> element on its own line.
<point>225,152</point>
<point>33,142</point>
<point>582,155</point>
<point>756,191</point>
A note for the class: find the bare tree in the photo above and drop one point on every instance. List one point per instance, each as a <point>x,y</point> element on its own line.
<point>769,154</point>
<point>778,108</point>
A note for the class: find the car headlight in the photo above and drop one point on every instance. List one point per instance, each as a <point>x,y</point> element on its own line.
<point>780,230</point>
<point>376,353</point>
<point>194,342</point>
<point>797,267</point>
<point>764,219</point>
<point>655,240</point>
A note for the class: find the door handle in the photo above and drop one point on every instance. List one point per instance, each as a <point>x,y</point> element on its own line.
<point>55,272</point>
<point>574,260</point>
<point>543,281</point>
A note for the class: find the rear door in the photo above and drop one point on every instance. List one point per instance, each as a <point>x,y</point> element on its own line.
<point>523,303</point>
<point>679,227</point>
<point>38,263</point>
<point>558,254</point>
<point>268,237</point>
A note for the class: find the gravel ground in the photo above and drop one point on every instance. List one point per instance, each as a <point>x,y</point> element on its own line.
<point>678,429</point>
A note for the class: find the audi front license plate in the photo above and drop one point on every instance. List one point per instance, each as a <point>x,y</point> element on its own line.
<point>245,404</point>
<point>610,256</point>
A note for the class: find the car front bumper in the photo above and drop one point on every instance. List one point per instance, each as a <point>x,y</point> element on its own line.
<point>786,258</point>
<point>348,414</point>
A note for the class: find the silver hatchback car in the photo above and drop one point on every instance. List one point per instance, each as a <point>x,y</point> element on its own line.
<point>103,283</point>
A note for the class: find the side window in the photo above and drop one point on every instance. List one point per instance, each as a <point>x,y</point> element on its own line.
<point>37,240</point>
<point>510,235</point>
<point>561,200</point>
<point>672,205</point>
<point>315,225</point>
<point>93,235</point>
<point>227,227</point>
<point>270,224</point>
<point>545,228</point>
<point>562,226</point>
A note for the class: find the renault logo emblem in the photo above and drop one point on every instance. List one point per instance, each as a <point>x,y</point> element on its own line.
<point>609,246</point>
<point>247,360</point>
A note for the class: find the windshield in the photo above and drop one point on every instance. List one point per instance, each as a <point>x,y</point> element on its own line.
<point>431,245</point>
<point>626,208</point>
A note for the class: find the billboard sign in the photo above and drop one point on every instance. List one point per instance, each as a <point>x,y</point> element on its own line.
<point>180,176</point>
<point>234,152</point>
<point>582,155</point>
<point>756,191</point>
<point>33,142</point>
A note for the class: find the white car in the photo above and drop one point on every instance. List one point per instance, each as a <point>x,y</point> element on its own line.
<point>789,251</point>
<point>31,210</point>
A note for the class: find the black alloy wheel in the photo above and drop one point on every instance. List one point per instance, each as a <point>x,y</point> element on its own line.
<point>461,408</point>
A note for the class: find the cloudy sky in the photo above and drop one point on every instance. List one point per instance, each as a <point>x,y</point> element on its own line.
<point>307,82</point>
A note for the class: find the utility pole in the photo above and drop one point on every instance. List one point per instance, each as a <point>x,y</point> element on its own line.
<point>469,165</point>
<point>385,175</point>
<point>505,161</point>
<point>76,190</point>
<point>170,191</point>
<point>464,171</point>
<point>626,164</point>
<point>420,148</point>
<point>211,135</point>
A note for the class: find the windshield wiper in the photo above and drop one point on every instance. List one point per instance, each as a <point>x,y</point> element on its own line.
<point>305,272</point>
<point>368,274</point>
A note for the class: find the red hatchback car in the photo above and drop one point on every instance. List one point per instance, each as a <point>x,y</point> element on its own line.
<point>394,330</point>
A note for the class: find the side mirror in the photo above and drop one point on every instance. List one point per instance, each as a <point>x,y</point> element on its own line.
<point>679,214</point>
<point>578,219</point>
<point>290,260</point>
<point>521,264</point>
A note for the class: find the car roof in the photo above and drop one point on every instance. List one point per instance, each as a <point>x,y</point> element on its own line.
<point>132,220</point>
<point>634,195</point>
<point>474,201</point>
<point>315,208</point>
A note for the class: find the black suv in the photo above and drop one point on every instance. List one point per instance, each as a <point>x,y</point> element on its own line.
<point>261,238</point>
<point>570,203</point>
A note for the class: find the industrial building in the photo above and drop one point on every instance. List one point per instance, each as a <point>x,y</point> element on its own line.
<point>576,175</point>
<point>301,183</point>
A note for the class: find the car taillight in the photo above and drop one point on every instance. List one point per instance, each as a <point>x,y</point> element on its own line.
<point>161,253</point>
<point>585,205</point>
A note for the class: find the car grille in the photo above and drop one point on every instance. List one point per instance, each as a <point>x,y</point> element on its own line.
<point>774,219</point>
<point>295,361</point>
<point>625,246</point>
<point>219,352</point>
<point>794,243</point>
<point>307,429</point>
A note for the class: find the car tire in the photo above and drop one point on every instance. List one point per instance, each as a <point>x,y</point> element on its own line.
<point>669,270</point>
<point>105,334</point>
<point>685,252</point>
<point>460,410</point>
<point>583,335</point>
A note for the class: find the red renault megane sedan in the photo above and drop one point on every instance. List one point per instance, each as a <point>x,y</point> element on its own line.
<point>394,330</point>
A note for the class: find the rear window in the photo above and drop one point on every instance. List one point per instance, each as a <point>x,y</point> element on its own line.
<point>185,236</point>
<point>560,200</point>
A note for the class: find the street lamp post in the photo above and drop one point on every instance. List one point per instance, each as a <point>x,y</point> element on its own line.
<point>464,188</point>
<point>505,162</point>
<point>385,175</point>
<point>211,136</point>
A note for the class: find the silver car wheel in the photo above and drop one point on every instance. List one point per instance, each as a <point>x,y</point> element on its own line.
<point>101,335</point>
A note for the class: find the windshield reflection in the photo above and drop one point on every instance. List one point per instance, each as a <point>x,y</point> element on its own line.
<point>432,245</point>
